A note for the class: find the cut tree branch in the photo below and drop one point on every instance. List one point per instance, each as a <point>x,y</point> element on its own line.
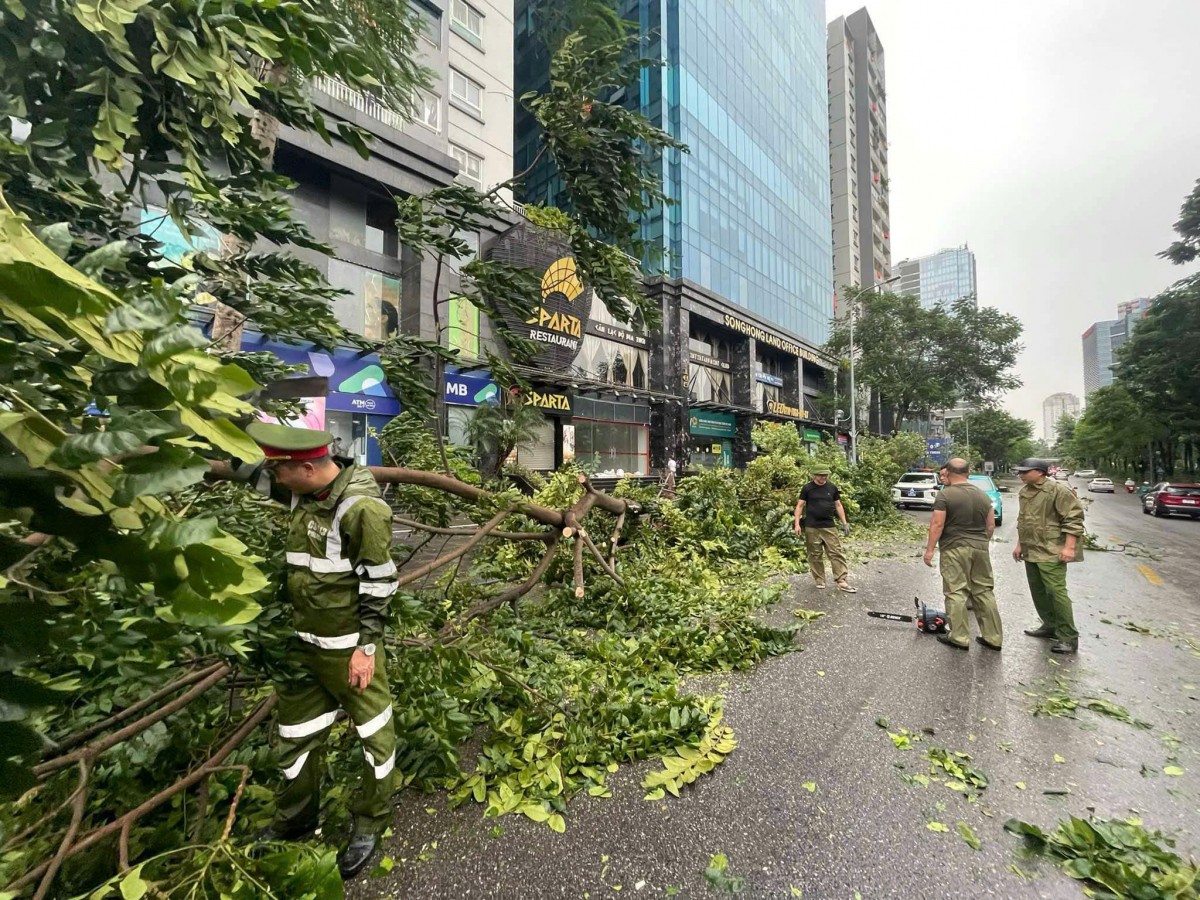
<point>193,777</point>
<point>477,538</point>
<point>511,595</point>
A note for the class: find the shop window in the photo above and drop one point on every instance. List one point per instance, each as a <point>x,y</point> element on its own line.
<point>612,447</point>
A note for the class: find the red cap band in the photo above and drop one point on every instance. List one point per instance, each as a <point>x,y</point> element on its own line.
<point>294,455</point>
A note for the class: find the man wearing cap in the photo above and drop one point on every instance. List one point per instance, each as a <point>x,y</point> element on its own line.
<point>819,502</point>
<point>1049,531</point>
<point>340,581</point>
<point>961,528</point>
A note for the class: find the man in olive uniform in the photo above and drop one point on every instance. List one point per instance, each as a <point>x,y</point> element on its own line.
<point>340,581</point>
<point>961,526</point>
<point>819,503</point>
<point>1049,531</point>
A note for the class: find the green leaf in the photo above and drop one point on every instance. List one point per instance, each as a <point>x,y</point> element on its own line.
<point>938,827</point>
<point>810,786</point>
<point>968,835</point>
<point>557,823</point>
<point>171,341</point>
<point>132,886</point>
<point>385,866</point>
<point>1174,771</point>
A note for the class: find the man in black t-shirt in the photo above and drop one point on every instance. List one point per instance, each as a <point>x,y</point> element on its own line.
<point>820,505</point>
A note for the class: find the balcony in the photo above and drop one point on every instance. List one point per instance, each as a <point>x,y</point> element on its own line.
<point>363,103</point>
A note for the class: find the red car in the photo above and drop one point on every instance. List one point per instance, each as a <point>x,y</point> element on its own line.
<point>1166,498</point>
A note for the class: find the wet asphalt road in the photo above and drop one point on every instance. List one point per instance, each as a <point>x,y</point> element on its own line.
<point>811,717</point>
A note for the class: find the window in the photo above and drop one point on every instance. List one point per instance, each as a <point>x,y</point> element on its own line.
<point>467,21</point>
<point>430,113</point>
<point>371,306</point>
<point>429,23</point>
<point>470,166</point>
<point>466,92</point>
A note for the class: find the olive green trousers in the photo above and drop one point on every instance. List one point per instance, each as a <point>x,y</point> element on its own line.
<point>1048,585</point>
<point>821,542</point>
<point>316,687</point>
<point>967,576</point>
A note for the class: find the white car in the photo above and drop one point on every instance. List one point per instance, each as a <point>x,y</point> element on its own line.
<point>1086,473</point>
<point>1101,485</point>
<point>916,489</point>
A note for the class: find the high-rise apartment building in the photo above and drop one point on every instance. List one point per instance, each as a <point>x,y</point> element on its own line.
<point>747,286</point>
<point>1098,353</point>
<point>862,248</point>
<point>1103,339</point>
<point>1054,408</point>
<point>941,278</point>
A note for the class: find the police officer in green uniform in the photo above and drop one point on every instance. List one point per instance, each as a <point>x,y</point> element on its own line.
<point>340,581</point>
<point>1049,532</point>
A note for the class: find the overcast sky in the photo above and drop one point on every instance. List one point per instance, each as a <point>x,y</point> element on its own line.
<point>1058,139</point>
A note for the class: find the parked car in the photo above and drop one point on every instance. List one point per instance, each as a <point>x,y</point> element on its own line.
<point>916,489</point>
<point>985,484</point>
<point>1168,499</point>
<point>1101,485</point>
<point>1086,473</point>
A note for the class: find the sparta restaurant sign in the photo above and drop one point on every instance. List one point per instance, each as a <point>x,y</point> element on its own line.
<point>560,319</point>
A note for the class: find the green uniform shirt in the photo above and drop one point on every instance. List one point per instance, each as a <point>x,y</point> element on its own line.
<point>966,508</point>
<point>340,575</point>
<point>1049,512</point>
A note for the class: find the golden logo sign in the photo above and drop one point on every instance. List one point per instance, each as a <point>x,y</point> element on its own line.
<point>560,285</point>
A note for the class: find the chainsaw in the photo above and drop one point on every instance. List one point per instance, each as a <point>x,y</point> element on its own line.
<point>929,621</point>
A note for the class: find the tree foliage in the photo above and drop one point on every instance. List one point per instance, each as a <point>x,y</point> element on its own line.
<point>1148,421</point>
<point>922,359</point>
<point>995,434</point>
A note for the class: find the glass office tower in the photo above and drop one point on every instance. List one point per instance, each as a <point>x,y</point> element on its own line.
<point>744,86</point>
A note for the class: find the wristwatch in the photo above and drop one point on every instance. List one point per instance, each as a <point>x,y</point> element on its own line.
<point>368,649</point>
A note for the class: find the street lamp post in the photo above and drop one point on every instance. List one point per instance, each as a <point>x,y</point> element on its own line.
<point>853,389</point>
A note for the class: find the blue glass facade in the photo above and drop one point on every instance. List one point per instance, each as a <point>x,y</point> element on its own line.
<point>746,91</point>
<point>744,85</point>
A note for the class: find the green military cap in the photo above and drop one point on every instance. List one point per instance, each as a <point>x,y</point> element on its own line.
<point>286,442</point>
<point>821,470</point>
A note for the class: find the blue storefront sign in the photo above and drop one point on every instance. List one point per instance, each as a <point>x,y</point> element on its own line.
<point>936,448</point>
<point>356,380</point>
<point>470,388</point>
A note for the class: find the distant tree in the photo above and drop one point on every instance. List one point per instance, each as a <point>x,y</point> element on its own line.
<point>1064,435</point>
<point>922,359</point>
<point>996,434</point>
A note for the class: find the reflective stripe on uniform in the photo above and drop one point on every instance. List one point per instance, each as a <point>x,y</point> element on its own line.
<point>382,770</point>
<point>341,642</point>
<point>368,728</point>
<point>333,543</point>
<point>294,769</point>
<point>316,564</point>
<point>377,588</point>
<point>377,572</point>
<point>312,726</point>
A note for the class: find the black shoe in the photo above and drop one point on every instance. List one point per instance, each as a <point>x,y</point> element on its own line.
<point>356,854</point>
<point>945,639</point>
<point>987,644</point>
<point>1071,646</point>
<point>1043,631</point>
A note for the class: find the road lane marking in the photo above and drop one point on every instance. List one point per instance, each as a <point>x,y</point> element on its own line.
<point>1151,575</point>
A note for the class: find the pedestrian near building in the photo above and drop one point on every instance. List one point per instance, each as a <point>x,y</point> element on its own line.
<point>340,581</point>
<point>961,528</point>
<point>817,512</point>
<point>1049,531</point>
